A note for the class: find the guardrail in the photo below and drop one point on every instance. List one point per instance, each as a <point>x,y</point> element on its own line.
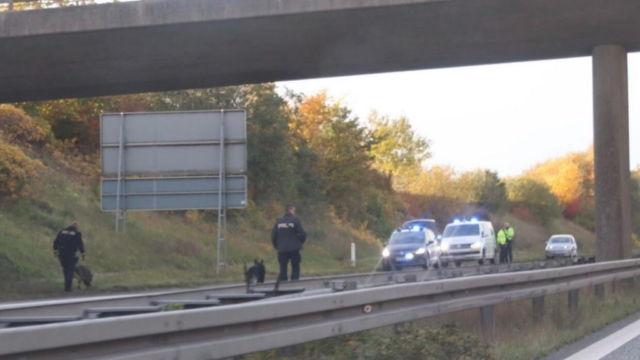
<point>314,285</point>
<point>258,326</point>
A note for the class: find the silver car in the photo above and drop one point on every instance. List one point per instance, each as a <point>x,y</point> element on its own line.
<point>561,246</point>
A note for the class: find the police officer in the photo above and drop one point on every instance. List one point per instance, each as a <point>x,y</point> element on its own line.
<point>65,246</point>
<point>510,233</point>
<point>501,238</point>
<point>287,238</point>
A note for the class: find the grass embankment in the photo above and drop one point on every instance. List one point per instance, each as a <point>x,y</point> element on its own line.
<point>158,250</point>
<point>172,250</point>
<point>531,237</point>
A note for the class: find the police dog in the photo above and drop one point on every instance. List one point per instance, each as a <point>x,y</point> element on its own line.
<point>83,275</point>
<point>255,272</point>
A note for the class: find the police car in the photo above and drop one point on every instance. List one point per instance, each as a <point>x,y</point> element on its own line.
<point>471,240</point>
<point>411,247</point>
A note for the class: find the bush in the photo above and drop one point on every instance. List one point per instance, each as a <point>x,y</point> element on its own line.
<point>535,196</point>
<point>410,342</point>
<point>18,127</point>
<point>17,170</point>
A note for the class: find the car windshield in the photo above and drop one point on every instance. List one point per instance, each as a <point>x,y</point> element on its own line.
<point>431,225</point>
<point>560,240</point>
<point>461,230</point>
<point>414,237</point>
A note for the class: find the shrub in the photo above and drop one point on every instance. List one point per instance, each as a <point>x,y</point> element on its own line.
<point>410,342</point>
<point>18,127</point>
<point>17,170</point>
<point>535,196</point>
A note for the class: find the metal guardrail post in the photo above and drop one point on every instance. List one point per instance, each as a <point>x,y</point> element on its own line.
<point>538,308</point>
<point>615,287</point>
<point>599,288</point>
<point>573,301</point>
<point>488,322</point>
<point>10,5</point>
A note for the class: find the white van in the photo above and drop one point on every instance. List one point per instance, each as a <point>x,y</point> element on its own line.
<point>468,241</point>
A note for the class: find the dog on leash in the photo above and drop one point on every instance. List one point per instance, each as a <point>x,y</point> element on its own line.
<point>83,275</point>
<point>256,272</point>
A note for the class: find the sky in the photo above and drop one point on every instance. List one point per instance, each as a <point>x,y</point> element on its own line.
<point>505,118</point>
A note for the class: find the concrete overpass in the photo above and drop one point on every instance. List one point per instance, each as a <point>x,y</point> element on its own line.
<point>179,44</point>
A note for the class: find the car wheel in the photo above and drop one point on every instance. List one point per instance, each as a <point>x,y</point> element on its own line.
<point>458,263</point>
<point>445,264</point>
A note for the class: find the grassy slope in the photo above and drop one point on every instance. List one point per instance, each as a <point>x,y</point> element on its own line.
<point>158,250</point>
<point>531,237</point>
<point>165,250</point>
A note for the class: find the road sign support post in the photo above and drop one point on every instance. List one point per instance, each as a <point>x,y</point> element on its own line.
<point>222,213</point>
<point>120,160</point>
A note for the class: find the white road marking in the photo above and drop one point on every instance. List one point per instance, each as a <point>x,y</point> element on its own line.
<point>606,346</point>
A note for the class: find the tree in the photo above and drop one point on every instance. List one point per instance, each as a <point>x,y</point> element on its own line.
<point>534,196</point>
<point>399,150</point>
<point>570,178</point>
<point>490,192</point>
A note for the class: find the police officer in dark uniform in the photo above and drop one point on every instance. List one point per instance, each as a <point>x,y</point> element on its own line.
<point>287,238</point>
<point>65,246</point>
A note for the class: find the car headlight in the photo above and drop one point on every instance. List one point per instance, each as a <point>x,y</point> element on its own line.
<point>445,245</point>
<point>476,245</point>
<point>386,252</point>
<point>421,251</point>
<point>566,247</point>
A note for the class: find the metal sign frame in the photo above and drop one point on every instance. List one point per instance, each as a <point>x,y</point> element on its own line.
<point>153,152</point>
<point>128,193</point>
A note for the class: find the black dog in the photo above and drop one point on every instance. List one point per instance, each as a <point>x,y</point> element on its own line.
<point>256,272</point>
<point>83,275</point>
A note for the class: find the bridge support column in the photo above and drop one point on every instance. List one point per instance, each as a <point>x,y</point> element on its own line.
<point>538,308</point>
<point>488,322</point>
<point>611,146</point>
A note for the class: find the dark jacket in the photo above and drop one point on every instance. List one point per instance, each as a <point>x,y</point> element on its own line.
<point>288,234</point>
<point>68,242</point>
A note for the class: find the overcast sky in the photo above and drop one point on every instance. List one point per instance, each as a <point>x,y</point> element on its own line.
<point>501,117</point>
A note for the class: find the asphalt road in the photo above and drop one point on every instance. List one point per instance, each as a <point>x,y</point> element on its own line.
<point>618,341</point>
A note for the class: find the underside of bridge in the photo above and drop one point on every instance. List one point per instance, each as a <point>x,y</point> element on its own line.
<point>180,44</point>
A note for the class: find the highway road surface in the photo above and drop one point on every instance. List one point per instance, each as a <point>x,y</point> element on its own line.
<point>619,341</point>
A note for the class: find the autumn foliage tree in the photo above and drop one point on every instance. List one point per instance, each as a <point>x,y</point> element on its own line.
<point>399,151</point>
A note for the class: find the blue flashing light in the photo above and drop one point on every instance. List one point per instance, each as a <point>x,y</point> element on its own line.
<point>416,228</point>
<point>456,221</point>
<point>474,220</point>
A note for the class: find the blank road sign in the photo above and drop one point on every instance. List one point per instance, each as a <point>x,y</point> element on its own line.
<point>187,193</point>
<point>173,143</point>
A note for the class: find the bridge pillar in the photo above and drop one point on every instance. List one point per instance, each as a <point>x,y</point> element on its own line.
<point>611,146</point>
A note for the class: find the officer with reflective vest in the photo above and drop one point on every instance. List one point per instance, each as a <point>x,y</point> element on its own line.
<point>502,241</point>
<point>65,246</point>
<point>510,233</point>
<point>287,238</point>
